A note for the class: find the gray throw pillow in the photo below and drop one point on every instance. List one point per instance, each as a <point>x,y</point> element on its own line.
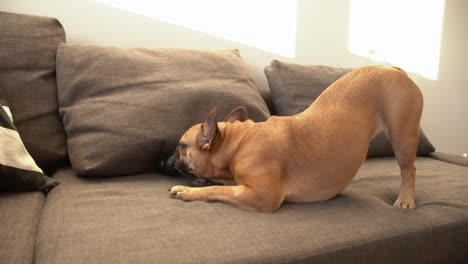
<point>28,47</point>
<point>126,108</point>
<point>294,87</point>
<point>18,170</point>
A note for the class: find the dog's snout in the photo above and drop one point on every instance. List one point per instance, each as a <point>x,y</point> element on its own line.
<point>167,166</point>
<point>170,162</point>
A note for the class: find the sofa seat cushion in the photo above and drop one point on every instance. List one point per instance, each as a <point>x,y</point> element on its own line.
<point>133,220</point>
<point>20,213</point>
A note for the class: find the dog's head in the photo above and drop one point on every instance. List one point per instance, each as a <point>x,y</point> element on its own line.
<point>197,147</point>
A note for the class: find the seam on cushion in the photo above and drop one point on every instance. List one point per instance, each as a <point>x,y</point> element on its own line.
<point>60,198</point>
<point>304,257</point>
<point>62,225</point>
<point>37,232</point>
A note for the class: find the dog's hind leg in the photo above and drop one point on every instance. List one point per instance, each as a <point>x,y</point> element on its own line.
<point>405,152</point>
<point>401,120</point>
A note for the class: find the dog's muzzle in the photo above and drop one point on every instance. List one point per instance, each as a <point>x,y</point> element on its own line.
<point>167,166</point>
<point>174,167</point>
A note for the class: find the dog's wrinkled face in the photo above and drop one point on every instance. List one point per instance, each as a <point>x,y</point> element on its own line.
<point>193,153</point>
<point>190,158</point>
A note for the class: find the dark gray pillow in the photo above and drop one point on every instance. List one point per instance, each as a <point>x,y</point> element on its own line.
<point>18,170</point>
<point>126,108</point>
<point>28,47</point>
<point>294,87</point>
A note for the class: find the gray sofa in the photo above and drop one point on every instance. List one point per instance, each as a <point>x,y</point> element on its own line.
<point>99,119</point>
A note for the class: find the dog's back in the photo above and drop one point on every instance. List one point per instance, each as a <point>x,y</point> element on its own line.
<point>338,127</point>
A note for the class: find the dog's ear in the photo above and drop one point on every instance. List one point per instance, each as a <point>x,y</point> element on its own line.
<point>209,131</point>
<point>238,113</point>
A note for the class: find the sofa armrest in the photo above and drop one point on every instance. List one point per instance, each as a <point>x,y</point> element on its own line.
<point>455,159</point>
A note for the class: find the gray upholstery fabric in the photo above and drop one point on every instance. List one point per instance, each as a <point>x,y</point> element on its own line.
<point>294,87</point>
<point>381,147</point>
<point>27,77</point>
<point>133,220</point>
<point>125,108</point>
<point>20,213</point>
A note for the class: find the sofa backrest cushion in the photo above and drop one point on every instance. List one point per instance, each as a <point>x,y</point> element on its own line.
<point>124,109</point>
<point>28,46</point>
<point>294,87</point>
<point>18,170</point>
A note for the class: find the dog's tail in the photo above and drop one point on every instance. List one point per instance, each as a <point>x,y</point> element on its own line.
<point>399,69</point>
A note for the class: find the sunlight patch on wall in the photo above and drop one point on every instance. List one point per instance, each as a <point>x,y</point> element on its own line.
<point>405,33</point>
<point>264,24</point>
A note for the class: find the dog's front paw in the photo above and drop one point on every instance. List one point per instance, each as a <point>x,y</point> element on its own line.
<point>181,192</point>
<point>402,203</point>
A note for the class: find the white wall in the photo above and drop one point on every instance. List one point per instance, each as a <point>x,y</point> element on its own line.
<point>322,31</point>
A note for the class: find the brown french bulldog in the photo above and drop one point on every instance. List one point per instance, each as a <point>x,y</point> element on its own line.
<point>308,157</point>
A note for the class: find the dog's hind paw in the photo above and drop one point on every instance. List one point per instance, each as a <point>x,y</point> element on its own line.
<point>404,204</point>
